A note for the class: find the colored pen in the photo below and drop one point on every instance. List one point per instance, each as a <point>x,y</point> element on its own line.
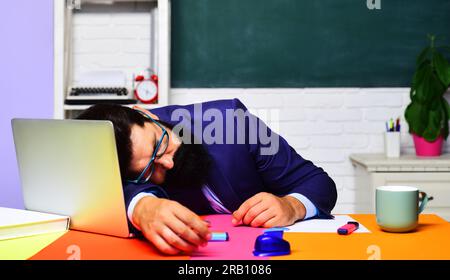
<point>348,228</point>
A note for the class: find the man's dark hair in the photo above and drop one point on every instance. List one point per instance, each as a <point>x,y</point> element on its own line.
<point>123,118</point>
<point>191,161</point>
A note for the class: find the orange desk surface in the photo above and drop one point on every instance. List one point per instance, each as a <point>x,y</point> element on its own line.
<point>431,240</point>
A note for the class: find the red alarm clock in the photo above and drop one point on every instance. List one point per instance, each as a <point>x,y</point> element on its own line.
<point>146,89</point>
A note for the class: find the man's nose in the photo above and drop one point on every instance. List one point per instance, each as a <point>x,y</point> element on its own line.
<point>166,161</point>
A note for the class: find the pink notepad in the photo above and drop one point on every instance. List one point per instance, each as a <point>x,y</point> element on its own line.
<point>239,247</point>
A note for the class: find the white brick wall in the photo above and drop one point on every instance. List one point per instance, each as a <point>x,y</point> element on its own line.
<point>325,125</point>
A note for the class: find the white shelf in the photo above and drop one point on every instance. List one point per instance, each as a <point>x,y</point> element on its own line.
<point>112,1</point>
<point>404,163</point>
<point>62,47</point>
<point>84,107</point>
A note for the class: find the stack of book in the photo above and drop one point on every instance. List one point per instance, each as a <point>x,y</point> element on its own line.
<point>15,223</point>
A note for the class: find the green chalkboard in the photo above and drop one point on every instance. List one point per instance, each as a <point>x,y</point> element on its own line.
<point>301,43</point>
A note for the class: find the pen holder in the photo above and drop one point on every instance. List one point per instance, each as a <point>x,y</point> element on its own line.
<point>392,144</point>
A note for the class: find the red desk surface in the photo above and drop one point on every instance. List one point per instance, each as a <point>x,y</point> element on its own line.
<point>431,240</point>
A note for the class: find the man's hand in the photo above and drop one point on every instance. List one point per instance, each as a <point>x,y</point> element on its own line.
<point>171,227</point>
<point>268,210</point>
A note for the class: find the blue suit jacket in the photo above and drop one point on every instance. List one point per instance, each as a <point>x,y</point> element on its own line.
<point>239,171</point>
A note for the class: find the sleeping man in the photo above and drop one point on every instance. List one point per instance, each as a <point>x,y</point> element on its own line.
<point>178,162</point>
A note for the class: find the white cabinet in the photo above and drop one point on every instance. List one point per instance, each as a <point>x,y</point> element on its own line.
<point>157,33</point>
<point>431,175</point>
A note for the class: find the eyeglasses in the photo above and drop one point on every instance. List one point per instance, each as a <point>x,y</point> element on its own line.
<point>159,150</point>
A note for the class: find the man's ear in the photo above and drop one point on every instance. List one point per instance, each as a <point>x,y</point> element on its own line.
<point>146,112</point>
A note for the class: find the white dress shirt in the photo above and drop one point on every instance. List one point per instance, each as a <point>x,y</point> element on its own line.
<point>218,206</point>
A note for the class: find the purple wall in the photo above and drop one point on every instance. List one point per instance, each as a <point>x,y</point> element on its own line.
<point>26,79</point>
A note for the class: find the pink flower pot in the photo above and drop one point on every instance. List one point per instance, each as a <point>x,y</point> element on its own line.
<point>428,149</point>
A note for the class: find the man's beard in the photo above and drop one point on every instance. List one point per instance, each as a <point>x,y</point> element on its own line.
<point>190,169</point>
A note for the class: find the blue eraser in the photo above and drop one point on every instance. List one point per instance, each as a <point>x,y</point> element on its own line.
<point>219,236</point>
<point>275,231</point>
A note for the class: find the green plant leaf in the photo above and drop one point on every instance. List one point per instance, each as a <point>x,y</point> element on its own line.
<point>437,88</point>
<point>416,116</point>
<point>434,121</point>
<point>435,115</point>
<point>446,112</point>
<point>430,86</point>
<point>430,134</point>
<point>420,73</point>
<point>422,56</point>
<point>417,82</point>
<point>430,89</point>
<point>442,68</point>
<point>422,83</point>
<point>447,106</point>
<point>428,114</point>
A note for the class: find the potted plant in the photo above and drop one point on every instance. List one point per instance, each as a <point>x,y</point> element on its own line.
<point>428,113</point>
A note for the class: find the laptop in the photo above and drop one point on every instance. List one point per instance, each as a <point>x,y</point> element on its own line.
<point>70,167</point>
